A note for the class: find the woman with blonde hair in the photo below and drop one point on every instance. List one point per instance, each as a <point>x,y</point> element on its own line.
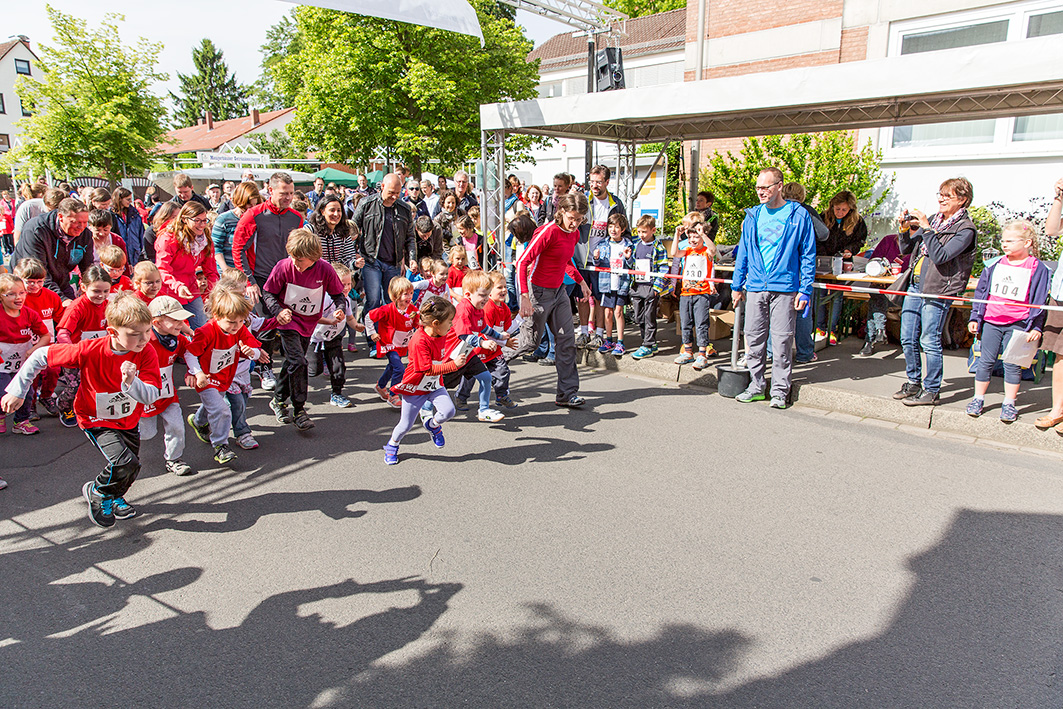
<point>245,196</point>
<point>181,249</point>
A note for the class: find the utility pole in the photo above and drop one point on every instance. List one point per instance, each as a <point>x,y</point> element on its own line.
<point>592,74</point>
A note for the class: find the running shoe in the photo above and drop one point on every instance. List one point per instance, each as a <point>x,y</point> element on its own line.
<point>382,392</point>
<point>179,467</point>
<point>52,407</point>
<point>642,353</point>
<point>654,348</point>
<point>437,434</point>
<point>3,423</point>
<point>778,402</point>
<point>595,341</point>
<point>122,509</point>
<point>25,428</point>
<point>340,401</point>
<point>266,378</point>
<point>701,362</point>
<point>1008,413</point>
<point>868,349</point>
<point>833,339</point>
<point>974,408</point>
<point>69,419</point>
<point>391,454</point>
<point>280,410</point>
<point>606,346</point>
<point>573,402</point>
<point>461,404</point>
<point>202,432</point>
<point>247,442</point>
<point>582,340</point>
<point>684,358</point>
<point>618,349</point>
<point>710,351</point>
<point>395,401</point>
<point>490,416</point>
<point>749,395</point>
<point>505,402</point>
<point>223,454</point>
<point>547,362</point>
<point>101,511</point>
<point>352,348</point>
<point>302,421</point>
<point>34,416</point>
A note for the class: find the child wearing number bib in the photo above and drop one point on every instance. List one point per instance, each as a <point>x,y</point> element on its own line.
<point>390,327</point>
<point>696,288</point>
<point>615,254</point>
<point>298,286</point>
<point>84,319</point>
<point>650,258</point>
<point>169,338</point>
<point>49,306</point>
<point>471,328</point>
<point>22,332</point>
<point>1014,286</point>
<point>119,375</point>
<point>327,342</point>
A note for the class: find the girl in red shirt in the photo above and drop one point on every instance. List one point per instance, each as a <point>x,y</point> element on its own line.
<point>459,266</point>
<point>421,383</point>
<point>50,307</point>
<point>84,319</point>
<point>390,327</point>
<point>19,326</point>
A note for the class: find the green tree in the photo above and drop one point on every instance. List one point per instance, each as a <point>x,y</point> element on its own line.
<point>212,88</point>
<point>824,163</point>
<point>94,111</point>
<point>364,85</point>
<point>278,146</point>
<point>276,88</point>
<point>638,8</point>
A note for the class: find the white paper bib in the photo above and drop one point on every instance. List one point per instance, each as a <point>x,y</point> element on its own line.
<point>303,301</point>
<point>220,359</point>
<point>166,385</point>
<point>401,338</point>
<point>642,264</point>
<point>695,268</point>
<point>12,355</point>
<point>114,405</point>
<point>1010,282</point>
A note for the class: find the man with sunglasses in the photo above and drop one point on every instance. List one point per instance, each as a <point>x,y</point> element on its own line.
<point>415,199</point>
<point>60,240</point>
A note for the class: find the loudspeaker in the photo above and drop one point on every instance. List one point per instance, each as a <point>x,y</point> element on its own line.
<point>610,74</point>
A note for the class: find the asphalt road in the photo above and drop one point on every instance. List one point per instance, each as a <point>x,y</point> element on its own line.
<point>663,548</point>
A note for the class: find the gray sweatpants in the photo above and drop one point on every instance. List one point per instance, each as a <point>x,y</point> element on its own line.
<point>767,311</point>
<point>215,411</point>
<point>173,430</point>
<point>552,306</point>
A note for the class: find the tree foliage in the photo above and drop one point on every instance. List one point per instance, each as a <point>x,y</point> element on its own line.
<point>638,8</point>
<point>824,163</point>
<point>211,88</point>
<point>278,145</point>
<point>275,89</point>
<point>94,110</point>
<point>362,85</point>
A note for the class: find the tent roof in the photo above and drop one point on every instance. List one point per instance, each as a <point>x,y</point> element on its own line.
<point>331,174</point>
<point>1006,79</point>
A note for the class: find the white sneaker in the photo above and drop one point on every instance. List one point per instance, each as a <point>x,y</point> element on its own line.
<point>491,416</point>
<point>265,375</point>
<point>247,442</point>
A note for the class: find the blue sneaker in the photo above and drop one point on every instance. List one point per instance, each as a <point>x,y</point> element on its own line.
<point>654,349</point>
<point>505,402</point>
<point>974,408</point>
<point>341,401</point>
<point>606,346</point>
<point>437,437</point>
<point>1008,413</point>
<point>391,454</point>
<point>101,511</point>
<point>618,349</point>
<point>122,509</point>
<point>642,353</point>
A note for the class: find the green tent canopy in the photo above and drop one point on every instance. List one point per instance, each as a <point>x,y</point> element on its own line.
<point>331,174</point>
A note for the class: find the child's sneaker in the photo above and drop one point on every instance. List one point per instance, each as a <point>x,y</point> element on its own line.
<point>684,358</point>
<point>505,402</point>
<point>25,428</point>
<point>1008,413</point>
<point>341,401</point>
<point>382,392</point>
<point>618,349</point>
<point>437,433</point>
<point>654,349</point>
<point>223,454</point>
<point>3,483</point>
<point>122,509</point>
<point>974,408</point>
<point>595,342</point>
<point>101,512</point>
<point>391,454</point>
<point>68,419</point>
<point>266,378</point>
<point>710,351</point>
<point>750,395</point>
<point>352,348</point>
<point>51,406</point>
<point>605,347</point>
<point>3,423</point>
<point>582,340</point>
<point>179,467</point>
<point>395,401</point>
<point>833,339</point>
<point>34,416</point>
<point>701,362</point>
<point>820,335</point>
<point>461,404</point>
<point>202,432</point>
<point>302,421</point>
<point>280,410</point>
<point>490,416</point>
<point>642,353</point>
<point>247,442</point>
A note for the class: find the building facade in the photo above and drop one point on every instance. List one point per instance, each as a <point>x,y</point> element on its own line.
<point>16,60</point>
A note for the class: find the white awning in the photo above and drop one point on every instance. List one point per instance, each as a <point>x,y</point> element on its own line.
<point>1008,79</point>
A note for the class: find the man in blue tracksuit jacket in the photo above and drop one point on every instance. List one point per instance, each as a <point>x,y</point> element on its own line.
<point>774,271</point>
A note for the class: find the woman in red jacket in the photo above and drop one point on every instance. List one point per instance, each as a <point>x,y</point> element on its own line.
<point>181,249</point>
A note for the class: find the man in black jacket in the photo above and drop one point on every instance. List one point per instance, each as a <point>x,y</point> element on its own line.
<point>386,240</point>
<point>60,241</point>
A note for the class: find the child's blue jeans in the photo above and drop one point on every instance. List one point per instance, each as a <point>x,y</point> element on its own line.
<point>393,371</point>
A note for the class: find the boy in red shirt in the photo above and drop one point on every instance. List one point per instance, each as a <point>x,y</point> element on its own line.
<point>49,306</point>
<point>499,317</point>
<point>390,327</point>
<point>212,357</point>
<point>420,386</point>
<point>119,374</point>
<point>297,285</point>
<point>169,338</point>
<point>470,326</point>
<point>113,260</point>
<point>21,332</point>
<point>83,319</point>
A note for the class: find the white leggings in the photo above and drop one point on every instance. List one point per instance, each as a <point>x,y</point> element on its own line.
<point>173,427</point>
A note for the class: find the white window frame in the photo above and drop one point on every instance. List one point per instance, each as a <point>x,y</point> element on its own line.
<point>1018,15</point>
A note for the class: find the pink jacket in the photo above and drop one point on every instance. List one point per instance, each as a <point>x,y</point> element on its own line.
<point>178,267</point>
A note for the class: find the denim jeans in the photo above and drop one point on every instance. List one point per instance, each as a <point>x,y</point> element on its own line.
<point>393,372</point>
<point>835,302</point>
<point>199,316</point>
<point>545,350</point>
<point>376,277</point>
<point>238,409</point>
<point>922,322</point>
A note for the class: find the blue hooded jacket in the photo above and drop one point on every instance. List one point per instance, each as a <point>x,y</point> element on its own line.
<point>794,269</point>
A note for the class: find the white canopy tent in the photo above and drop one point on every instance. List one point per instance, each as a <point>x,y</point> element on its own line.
<point>1010,79</point>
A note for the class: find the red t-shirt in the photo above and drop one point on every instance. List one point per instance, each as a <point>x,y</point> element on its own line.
<point>168,395</point>
<point>218,353</point>
<point>17,336</point>
<point>303,292</point>
<point>395,328</point>
<point>122,284</point>
<point>85,320</point>
<point>425,351</point>
<point>498,317</point>
<point>48,305</point>
<point>100,401</point>
<point>468,321</point>
<point>455,276</point>
<point>146,299</point>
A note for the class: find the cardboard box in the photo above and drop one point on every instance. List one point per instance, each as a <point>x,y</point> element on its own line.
<point>721,324</point>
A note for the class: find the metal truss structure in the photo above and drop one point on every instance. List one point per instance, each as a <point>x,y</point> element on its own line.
<point>584,15</point>
<point>493,211</point>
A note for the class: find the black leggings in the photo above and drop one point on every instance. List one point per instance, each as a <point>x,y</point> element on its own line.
<point>329,355</point>
<point>120,447</point>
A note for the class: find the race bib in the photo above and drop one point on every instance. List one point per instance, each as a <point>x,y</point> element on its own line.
<point>92,334</point>
<point>12,355</point>
<point>166,385</point>
<point>115,405</point>
<point>431,382</point>
<point>220,359</point>
<point>49,324</point>
<point>1010,282</point>
<point>642,264</point>
<point>695,268</point>
<point>303,301</point>
<point>401,338</point>
<point>323,333</point>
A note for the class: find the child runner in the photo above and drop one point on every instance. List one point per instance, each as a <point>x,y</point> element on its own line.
<point>499,317</point>
<point>19,327</point>
<point>695,263</point>
<point>298,284</point>
<point>212,358</point>
<point>113,260</point>
<point>470,240</point>
<point>147,281</point>
<point>169,338</point>
<point>614,254</point>
<point>84,319</point>
<point>650,257</point>
<point>420,384</point>
<point>49,306</point>
<point>435,281</point>
<point>120,374</point>
<point>390,327</point>
<point>327,342</point>
<point>471,327</point>
<point>459,266</point>
<point>1011,285</point>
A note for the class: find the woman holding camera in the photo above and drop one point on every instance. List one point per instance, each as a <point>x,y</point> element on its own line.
<point>1052,339</point>
<point>943,250</point>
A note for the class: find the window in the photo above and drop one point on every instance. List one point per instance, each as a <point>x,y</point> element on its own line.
<point>550,90</point>
<point>939,134</point>
<point>1045,24</point>
<point>2,108</point>
<point>1039,128</point>
<point>25,111</point>
<point>5,142</point>
<point>575,86</point>
<point>966,36</point>
<point>22,66</point>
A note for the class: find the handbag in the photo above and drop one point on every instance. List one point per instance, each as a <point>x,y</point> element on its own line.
<point>900,284</point>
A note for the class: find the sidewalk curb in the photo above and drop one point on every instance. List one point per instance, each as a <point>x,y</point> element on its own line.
<point>928,420</point>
